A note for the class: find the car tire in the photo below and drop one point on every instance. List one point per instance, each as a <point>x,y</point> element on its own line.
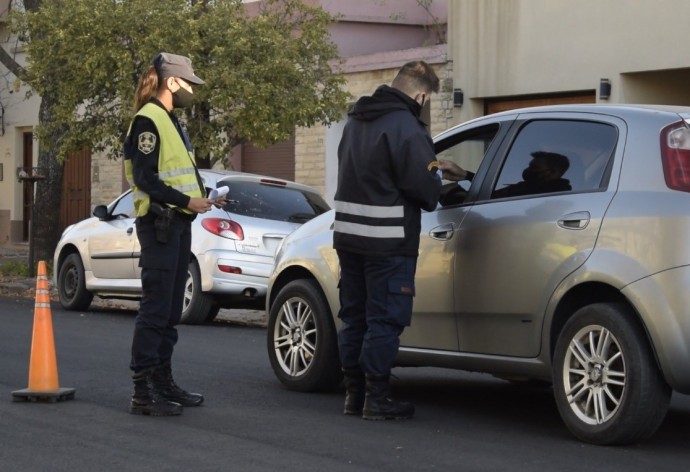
<point>72,291</point>
<point>212,313</point>
<point>302,340</point>
<point>608,387</point>
<point>197,305</point>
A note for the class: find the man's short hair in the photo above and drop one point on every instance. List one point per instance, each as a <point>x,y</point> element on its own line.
<point>416,75</point>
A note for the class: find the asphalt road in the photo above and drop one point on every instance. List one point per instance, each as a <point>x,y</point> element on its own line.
<point>464,422</point>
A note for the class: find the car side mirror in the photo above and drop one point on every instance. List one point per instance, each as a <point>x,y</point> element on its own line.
<point>100,212</point>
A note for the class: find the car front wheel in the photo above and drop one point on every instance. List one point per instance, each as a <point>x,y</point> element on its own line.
<point>72,285</point>
<point>608,387</point>
<point>301,338</point>
<point>198,306</point>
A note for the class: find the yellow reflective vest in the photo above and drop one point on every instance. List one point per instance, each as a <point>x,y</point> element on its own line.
<point>175,163</point>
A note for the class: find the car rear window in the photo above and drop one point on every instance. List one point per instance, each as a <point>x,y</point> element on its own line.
<point>273,202</point>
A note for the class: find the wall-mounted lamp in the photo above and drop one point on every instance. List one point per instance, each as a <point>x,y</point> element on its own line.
<point>458,97</point>
<point>604,89</point>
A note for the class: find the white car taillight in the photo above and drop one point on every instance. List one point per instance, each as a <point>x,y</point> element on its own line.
<point>675,156</point>
<point>224,228</point>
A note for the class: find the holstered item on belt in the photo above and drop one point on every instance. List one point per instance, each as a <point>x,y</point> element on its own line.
<point>164,217</point>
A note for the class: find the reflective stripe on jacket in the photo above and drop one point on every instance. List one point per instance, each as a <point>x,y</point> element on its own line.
<point>384,178</point>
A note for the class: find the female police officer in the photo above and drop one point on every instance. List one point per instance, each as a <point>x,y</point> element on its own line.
<point>168,193</point>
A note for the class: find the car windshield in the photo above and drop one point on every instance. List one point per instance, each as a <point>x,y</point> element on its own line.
<point>273,202</point>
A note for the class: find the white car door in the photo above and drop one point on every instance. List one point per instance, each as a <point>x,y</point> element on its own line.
<point>113,244</point>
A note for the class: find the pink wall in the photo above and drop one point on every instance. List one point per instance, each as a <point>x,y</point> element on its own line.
<point>375,26</point>
<point>397,11</point>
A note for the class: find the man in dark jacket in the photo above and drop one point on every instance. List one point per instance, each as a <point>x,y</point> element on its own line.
<point>387,173</point>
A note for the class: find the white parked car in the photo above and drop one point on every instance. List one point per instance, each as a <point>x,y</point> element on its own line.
<point>232,248</point>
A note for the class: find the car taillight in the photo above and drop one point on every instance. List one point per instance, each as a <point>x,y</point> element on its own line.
<point>223,228</point>
<point>675,156</point>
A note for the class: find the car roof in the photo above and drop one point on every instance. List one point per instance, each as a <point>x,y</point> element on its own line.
<point>622,110</point>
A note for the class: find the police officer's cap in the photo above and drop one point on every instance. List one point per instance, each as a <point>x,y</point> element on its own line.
<point>174,65</point>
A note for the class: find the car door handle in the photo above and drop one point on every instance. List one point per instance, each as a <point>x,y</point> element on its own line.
<point>130,230</point>
<point>576,220</point>
<point>443,232</point>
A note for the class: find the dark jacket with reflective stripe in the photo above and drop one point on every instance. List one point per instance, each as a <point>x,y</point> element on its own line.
<point>384,176</point>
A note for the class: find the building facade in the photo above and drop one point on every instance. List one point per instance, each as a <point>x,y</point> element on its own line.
<point>500,54</point>
<point>508,54</point>
<point>374,38</point>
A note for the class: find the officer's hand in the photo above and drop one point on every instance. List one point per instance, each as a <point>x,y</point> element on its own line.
<point>200,205</point>
<point>220,202</point>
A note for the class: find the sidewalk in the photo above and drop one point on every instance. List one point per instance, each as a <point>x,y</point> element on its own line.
<point>25,287</point>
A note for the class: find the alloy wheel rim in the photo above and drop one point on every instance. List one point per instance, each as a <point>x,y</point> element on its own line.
<point>295,337</point>
<point>594,374</point>
<point>188,292</point>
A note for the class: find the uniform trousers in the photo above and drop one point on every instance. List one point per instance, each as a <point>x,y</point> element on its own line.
<point>376,294</point>
<point>163,276</point>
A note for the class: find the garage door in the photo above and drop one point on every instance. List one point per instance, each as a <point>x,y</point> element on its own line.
<point>275,161</point>
<point>494,106</point>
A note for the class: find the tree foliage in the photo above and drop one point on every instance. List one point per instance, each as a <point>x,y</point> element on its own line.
<point>265,72</point>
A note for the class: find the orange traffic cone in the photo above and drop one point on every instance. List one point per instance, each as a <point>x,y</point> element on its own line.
<point>43,375</point>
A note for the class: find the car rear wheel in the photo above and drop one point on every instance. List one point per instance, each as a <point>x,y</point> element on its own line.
<point>71,284</point>
<point>197,306</point>
<point>302,340</point>
<point>607,385</point>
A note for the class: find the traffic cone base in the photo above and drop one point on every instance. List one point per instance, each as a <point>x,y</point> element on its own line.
<point>27,395</point>
<point>43,375</point>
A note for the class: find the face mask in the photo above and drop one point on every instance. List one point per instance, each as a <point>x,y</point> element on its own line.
<point>183,98</point>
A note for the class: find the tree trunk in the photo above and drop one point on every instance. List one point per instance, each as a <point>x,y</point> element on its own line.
<point>46,211</point>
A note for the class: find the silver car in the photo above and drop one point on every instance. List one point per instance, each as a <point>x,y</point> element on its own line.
<point>232,248</point>
<point>581,283</point>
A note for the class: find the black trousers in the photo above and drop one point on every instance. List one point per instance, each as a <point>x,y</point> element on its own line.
<point>163,276</point>
<point>376,295</point>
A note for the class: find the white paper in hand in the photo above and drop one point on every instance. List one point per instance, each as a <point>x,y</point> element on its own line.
<point>218,192</point>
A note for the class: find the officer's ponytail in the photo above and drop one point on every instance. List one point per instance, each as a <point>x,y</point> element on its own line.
<point>147,88</point>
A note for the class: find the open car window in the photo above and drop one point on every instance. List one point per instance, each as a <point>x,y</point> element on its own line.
<point>467,150</point>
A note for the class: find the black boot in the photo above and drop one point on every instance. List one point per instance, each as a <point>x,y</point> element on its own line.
<point>354,391</point>
<point>165,386</point>
<point>146,402</point>
<point>378,404</point>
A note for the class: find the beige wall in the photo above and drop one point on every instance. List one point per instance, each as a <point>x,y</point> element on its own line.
<point>517,47</point>
<point>19,117</point>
